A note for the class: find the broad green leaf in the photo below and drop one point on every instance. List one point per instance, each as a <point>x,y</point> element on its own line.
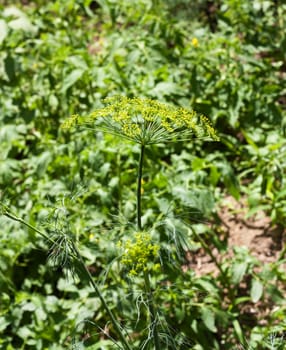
<point>256,290</point>
<point>78,62</point>
<point>165,88</point>
<point>238,331</point>
<point>9,168</point>
<point>3,30</point>
<point>164,205</point>
<point>71,79</point>
<point>230,180</point>
<point>208,286</point>
<point>198,163</point>
<point>19,21</point>
<point>29,306</point>
<point>238,271</point>
<point>201,199</point>
<point>208,318</point>
<point>25,332</point>
<point>42,163</point>
<point>241,300</point>
<point>4,322</point>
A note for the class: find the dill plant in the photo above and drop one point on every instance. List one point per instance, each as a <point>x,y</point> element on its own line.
<point>145,122</point>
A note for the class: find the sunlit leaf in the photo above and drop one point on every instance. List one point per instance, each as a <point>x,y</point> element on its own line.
<point>256,290</point>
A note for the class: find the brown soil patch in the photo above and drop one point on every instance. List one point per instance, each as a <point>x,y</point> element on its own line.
<point>264,241</point>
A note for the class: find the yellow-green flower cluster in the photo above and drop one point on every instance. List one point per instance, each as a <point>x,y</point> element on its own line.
<point>139,255</point>
<point>195,42</point>
<point>146,121</point>
<point>71,122</point>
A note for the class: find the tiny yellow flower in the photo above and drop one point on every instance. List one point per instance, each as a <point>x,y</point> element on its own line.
<point>195,42</point>
<point>139,254</point>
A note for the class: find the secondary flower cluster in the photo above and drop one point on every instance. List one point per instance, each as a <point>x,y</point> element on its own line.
<point>139,255</point>
<point>145,121</point>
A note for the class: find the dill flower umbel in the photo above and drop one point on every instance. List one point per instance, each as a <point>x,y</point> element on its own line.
<point>145,121</point>
<point>139,255</point>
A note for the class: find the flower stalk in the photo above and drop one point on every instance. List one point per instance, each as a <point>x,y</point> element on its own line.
<point>150,300</point>
<point>139,187</point>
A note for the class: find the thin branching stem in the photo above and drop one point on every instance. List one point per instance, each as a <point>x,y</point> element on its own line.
<point>104,304</point>
<point>139,187</point>
<point>6,212</point>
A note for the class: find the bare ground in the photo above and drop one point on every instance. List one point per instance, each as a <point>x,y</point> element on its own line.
<point>264,240</point>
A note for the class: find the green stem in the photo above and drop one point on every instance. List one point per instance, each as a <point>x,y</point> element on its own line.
<point>282,254</point>
<point>151,306</point>
<point>119,175</point>
<point>14,217</point>
<point>139,185</point>
<point>107,309</point>
<point>152,309</point>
